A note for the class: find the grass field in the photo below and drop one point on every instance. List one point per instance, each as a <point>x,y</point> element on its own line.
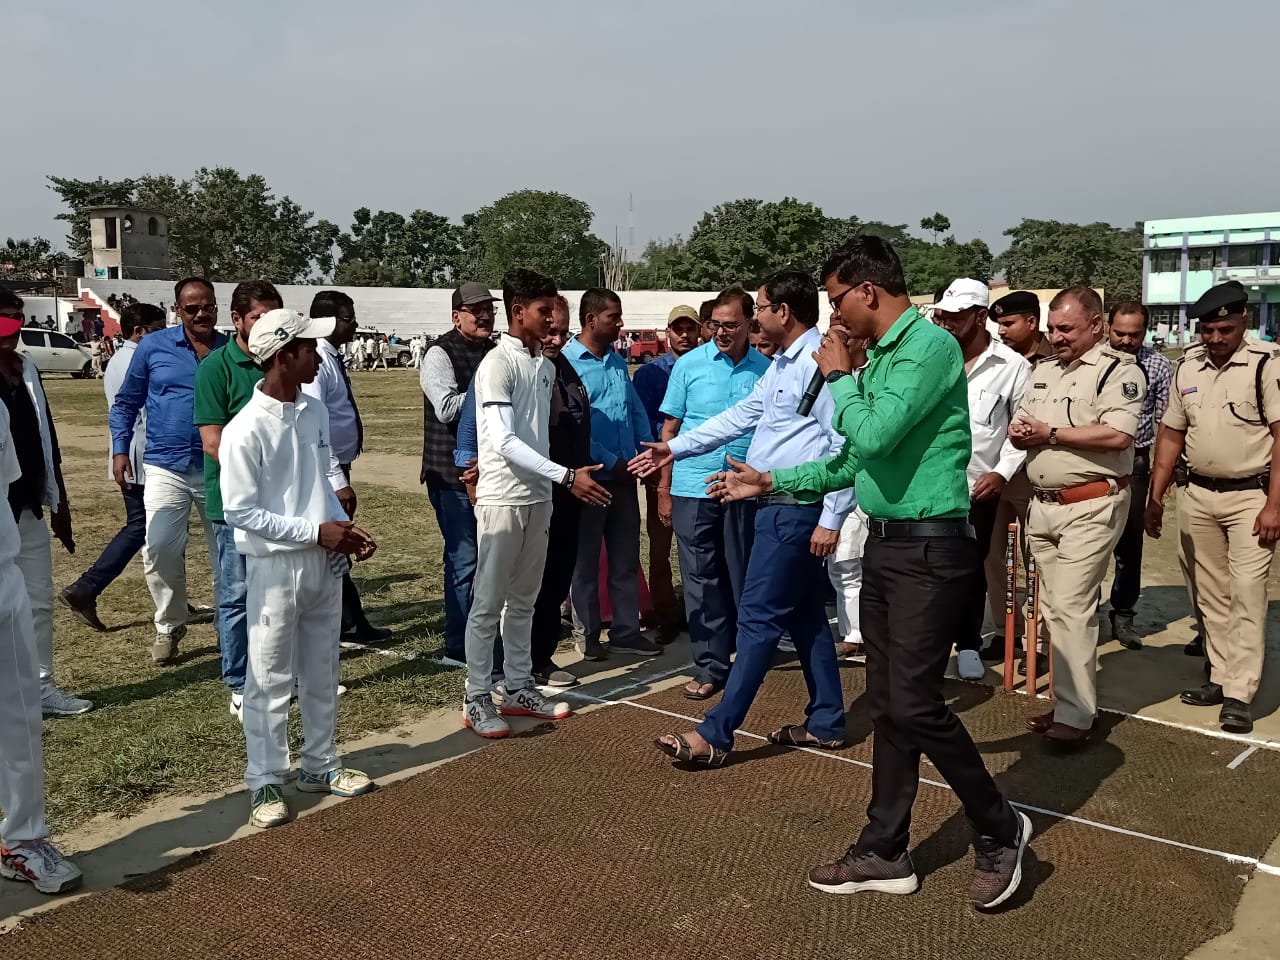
<point>168,729</point>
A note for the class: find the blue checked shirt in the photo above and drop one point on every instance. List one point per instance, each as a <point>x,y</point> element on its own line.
<point>1159,373</point>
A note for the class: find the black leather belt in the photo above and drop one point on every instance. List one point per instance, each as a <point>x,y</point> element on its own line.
<point>1231,484</point>
<point>906,529</point>
<point>784,500</point>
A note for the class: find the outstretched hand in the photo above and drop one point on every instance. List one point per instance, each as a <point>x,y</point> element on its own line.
<point>587,490</point>
<point>739,482</point>
<point>657,456</point>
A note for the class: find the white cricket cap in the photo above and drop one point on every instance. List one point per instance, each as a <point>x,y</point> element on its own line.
<point>277,328</point>
<point>963,294</point>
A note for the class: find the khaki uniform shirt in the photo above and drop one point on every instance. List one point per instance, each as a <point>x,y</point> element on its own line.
<point>1227,436</point>
<point>1075,396</point>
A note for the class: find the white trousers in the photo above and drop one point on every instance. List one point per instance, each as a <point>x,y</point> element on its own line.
<point>511,551</point>
<point>21,756</point>
<point>293,604</point>
<point>168,498</point>
<point>35,563</point>
<point>844,568</point>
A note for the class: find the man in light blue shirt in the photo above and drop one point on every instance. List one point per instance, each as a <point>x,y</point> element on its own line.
<point>714,538</point>
<point>618,427</point>
<point>785,582</point>
<point>162,381</point>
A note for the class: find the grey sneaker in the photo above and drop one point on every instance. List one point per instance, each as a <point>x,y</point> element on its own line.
<point>997,869</point>
<point>639,647</point>
<point>1122,629</point>
<point>865,872</point>
<point>59,703</point>
<point>480,716</point>
<point>165,649</point>
<point>267,807</point>
<point>554,678</point>
<point>529,702</point>
<point>590,649</point>
<point>41,864</point>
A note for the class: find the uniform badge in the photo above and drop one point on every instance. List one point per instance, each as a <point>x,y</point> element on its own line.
<point>1130,390</point>
<point>1194,389</point>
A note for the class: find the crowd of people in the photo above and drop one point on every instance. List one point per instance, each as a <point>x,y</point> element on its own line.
<point>873,462</point>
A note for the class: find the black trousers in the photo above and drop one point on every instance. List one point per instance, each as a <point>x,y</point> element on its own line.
<point>1127,585</point>
<point>982,516</point>
<point>562,556</point>
<point>353,617</point>
<point>910,588</point>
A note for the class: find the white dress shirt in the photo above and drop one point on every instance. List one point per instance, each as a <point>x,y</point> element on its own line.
<point>277,487</point>
<point>997,382</point>
<point>112,378</point>
<point>330,388</point>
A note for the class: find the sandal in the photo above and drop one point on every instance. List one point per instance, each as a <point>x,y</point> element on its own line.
<point>795,735</point>
<point>693,690</point>
<point>684,752</point>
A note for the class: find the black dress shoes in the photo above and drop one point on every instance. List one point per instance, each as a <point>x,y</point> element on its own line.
<point>1235,716</point>
<point>1209,695</point>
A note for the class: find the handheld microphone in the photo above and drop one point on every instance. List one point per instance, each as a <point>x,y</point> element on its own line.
<point>810,395</point>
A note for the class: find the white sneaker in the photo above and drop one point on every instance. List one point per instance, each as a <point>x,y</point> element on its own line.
<point>41,864</point>
<point>343,782</point>
<point>341,689</point>
<point>59,703</point>
<point>480,716</point>
<point>237,706</point>
<point>529,702</point>
<point>450,662</point>
<point>267,807</point>
<point>970,666</point>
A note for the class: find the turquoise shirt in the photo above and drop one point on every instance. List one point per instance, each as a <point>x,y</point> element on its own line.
<point>706,382</point>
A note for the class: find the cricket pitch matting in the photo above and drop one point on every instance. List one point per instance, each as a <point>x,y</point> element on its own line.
<point>578,840</point>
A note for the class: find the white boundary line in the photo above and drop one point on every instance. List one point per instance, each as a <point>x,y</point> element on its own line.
<point>1235,858</point>
<point>1242,758</point>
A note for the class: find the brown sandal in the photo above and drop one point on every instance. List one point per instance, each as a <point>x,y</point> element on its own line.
<point>685,754</point>
<point>795,735</point>
<point>701,691</point>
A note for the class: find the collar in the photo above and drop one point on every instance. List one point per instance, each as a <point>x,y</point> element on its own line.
<point>900,326</point>
<point>1092,357</point>
<point>807,341</point>
<point>237,355</point>
<point>327,348</point>
<point>725,358</point>
<point>1237,358</point>
<point>579,351</point>
<point>508,342</point>
<point>273,406</point>
<point>996,352</point>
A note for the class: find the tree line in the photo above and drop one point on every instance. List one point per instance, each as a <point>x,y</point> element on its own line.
<point>227,226</point>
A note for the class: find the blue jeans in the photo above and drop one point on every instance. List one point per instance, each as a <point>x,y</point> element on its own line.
<point>124,546</point>
<point>233,628</point>
<point>785,590</point>
<point>457,522</point>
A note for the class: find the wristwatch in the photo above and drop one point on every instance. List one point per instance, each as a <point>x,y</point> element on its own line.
<point>1053,436</point>
<point>568,477</point>
<point>835,375</point>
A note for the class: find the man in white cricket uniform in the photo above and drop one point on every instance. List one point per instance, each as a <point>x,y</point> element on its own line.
<point>25,851</point>
<point>296,538</point>
<point>513,507</point>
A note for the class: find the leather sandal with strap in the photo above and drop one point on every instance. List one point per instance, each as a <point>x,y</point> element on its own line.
<point>701,690</point>
<point>684,753</point>
<point>795,735</point>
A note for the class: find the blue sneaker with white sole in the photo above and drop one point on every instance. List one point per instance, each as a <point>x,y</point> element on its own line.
<point>343,782</point>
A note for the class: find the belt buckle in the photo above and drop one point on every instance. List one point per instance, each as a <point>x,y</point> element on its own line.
<point>876,526</point>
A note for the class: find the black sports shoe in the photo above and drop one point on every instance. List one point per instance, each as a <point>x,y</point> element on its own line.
<point>85,609</point>
<point>865,872</point>
<point>997,869</point>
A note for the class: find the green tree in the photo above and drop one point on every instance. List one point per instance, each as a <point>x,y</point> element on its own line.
<point>222,225</point>
<point>938,224</point>
<point>388,249</point>
<point>661,263</point>
<point>930,267</point>
<point>1049,254</point>
<point>535,229</point>
<point>33,259</point>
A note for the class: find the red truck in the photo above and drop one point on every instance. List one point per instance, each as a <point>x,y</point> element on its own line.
<point>646,344</point>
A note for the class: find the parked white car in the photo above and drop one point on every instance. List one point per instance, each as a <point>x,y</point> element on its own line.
<point>54,352</point>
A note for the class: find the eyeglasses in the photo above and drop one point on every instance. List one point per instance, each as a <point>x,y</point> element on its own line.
<point>477,310</point>
<point>726,327</point>
<point>193,309</point>
<point>770,306</point>
<point>835,301</point>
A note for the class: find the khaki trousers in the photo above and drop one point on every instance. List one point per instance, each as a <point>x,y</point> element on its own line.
<point>1072,544</point>
<point>1186,560</point>
<point>1229,570</point>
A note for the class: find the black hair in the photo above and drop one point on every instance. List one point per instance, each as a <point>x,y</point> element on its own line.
<point>736,294</point>
<point>595,300</point>
<point>868,259</point>
<point>10,300</point>
<point>1127,307</point>
<point>140,315</point>
<point>326,303</point>
<point>244,295</point>
<point>1086,297</point>
<point>186,281</point>
<point>704,311</point>
<point>797,290</point>
<point>522,287</point>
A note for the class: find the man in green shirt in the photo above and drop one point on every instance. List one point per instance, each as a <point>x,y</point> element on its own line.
<point>905,421</point>
<point>224,384</point>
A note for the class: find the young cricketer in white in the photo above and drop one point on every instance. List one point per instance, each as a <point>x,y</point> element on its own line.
<point>296,539</point>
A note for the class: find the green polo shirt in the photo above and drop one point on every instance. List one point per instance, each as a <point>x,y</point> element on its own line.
<point>906,427</point>
<point>224,383</point>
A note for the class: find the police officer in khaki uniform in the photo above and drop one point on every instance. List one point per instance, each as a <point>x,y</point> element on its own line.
<point>1017,317</point>
<point>1077,423</point>
<point>1224,412</point>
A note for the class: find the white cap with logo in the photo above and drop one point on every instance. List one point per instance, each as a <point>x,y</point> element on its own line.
<point>963,294</point>
<point>277,328</point>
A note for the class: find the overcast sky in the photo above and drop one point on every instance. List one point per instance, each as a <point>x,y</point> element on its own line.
<point>987,110</point>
